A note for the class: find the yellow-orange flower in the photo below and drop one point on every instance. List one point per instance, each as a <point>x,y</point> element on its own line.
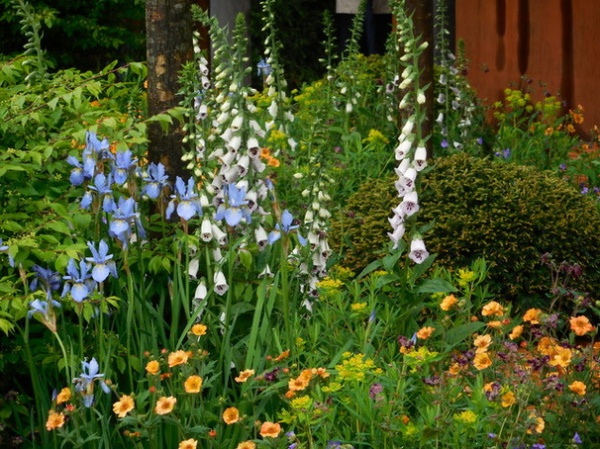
<point>532,316</point>
<point>199,329</point>
<point>244,375</point>
<point>562,357</point>
<point>153,367</point>
<point>299,383</point>
<point>231,415</point>
<point>547,346</point>
<point>492,308</point>
<point>496,324</point>
<point>165,405</point>
<point>322,373</point>
<point>482,361</point>
<point>581,325</point>
<point>425,332</point>
<point>448,302</point>
<point>178,358</point>
<point>270,429</point>
<point>246,445</point>
<point>454,369</point>
<point>537,426</point>
<point>482,342</point>
<point>578,387</point>
<point>516,332</point>
<point>188,444</point>
<point>63,396</point>
<point>508,399</point>
<point>193,384</point>
<point>123,406</point>
<point>55,420</point>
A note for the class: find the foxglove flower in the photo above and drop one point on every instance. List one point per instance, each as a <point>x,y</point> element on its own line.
<point>410,203</point>
<point>188,203</point>
<point>84,384</point>
<point>155,180</point>
<point>103,265</point>
<point>221,286</point>
<point>235,199</point>
<point>418,252</point>
<point>79,281</point>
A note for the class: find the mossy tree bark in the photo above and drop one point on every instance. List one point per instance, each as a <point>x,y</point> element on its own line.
<point>168,47</point>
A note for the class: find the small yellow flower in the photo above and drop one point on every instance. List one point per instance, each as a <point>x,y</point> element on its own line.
<point>246,445</point>
<point>193,384</point>
<point>466,417</point>
<point>55,420</point>
<point>303,402</point>
<point>244,375</point>
<point>153,367</point>
<point>482,361</point>
<point>199,329</point>
<point>425,332</point>
<point>178,358</point>
<point>578,387</point>
<point>465,276</point>
<point>581,325</point>
<point>188,444</point>
<point>508,399</point>
<point>516,332</point>
<point>358,306</point>
<point>63,396</point>
<point>448,302</point>
<point>270,429</point>
<point>123,406</point>
<point>231,415</point>
<point>492,308</point>
<point>165,405</point>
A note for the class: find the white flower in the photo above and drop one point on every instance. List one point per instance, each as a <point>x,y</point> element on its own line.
<point>266,272</point>
<point>402,149</point>
<point>201,291</point>
<point>348,108</point>
<point>418,252</point>
<point>410,203</point>
<point>206,230</point>
<point>408,126</point>
<point>218,234</point>
<point>221,286</point>
<point>420,159</point>
<point>261,237</point>
<point>273,109</point>
<point>193,268</point>
<point>237,122</point>
<point>421,97</point>
<point>397,235</point>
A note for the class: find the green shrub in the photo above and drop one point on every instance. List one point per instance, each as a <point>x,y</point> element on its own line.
<point>508,214</point>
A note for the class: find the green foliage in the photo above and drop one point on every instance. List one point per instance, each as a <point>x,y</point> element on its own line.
<point>508,214</point>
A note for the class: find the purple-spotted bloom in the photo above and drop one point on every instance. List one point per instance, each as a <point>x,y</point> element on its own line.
<point>285,226</point>
<point>84,384</point>
<point>104,266</point>
<point>155,180</point>
<point>418,252</point>
<point>235,207</point>
<point>188,202</point>
<point>79,281</point>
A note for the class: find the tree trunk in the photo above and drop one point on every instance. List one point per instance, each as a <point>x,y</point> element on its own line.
<point>168,47</point>
<point>423,19</point>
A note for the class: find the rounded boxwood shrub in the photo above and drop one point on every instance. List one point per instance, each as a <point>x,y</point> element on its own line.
<point>508,214</point>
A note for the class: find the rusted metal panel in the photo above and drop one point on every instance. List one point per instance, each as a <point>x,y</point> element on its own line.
<point>552,42</point>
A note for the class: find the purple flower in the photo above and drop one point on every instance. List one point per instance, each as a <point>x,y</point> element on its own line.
<point>444,143</point>
<point>577,438</point>
<point>46,280</point>
<point>375,391</point>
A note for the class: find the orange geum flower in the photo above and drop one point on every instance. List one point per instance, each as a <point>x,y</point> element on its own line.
<point>153,367</point>
<point>270,429</point>
<point>165,405</point>
<point>231,415</point>
<point>516,332</point>
<point>178,358</point>
<point>123,406</point>
<point>508,399</point>
<point>448,302</point>
<point>482,361</point>
<point>547,346</point>
<point>322,373</point>
<point>284,355</point>
<point>299,383</point>
<point>199,329</point>
<point>63,396</point>
<point>578,387</point>
<point>532,316</point>
<point>244,375</point>
<point>193,384</point>
<point>482,342</point>
<point>246,445</point>
<point>581,325</point>
<point>562,357</point>
<point>425,332</point>
<point>537,426</point>
<point>55,420</point>
<point>188,444</point>
<point>492,308</point>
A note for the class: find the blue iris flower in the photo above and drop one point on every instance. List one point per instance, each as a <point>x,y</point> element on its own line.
<point>187,199</point>
<point>103,265</point>
<point>235,207</point>
<point>285,226</point>
<point>123,216</point>
<point>43,307</point>
<point>46,280</point>
<point>84,384</point>
<point>97,147</point>
<point>11,260</point>
<point>263,68</point>
<point>155,181</point>
<point>80,283</point>
<point>81,172</point>
<point>102,186</point>
<point>124,164</point>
